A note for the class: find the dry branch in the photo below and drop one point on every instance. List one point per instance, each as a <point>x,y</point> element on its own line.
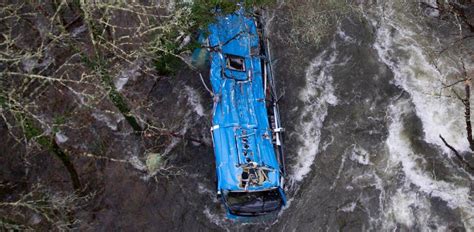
<point>467,113</point>
<point>456,153</point>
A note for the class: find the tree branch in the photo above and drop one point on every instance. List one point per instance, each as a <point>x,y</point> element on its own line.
<point>459,156</point>
<point>467,113</point>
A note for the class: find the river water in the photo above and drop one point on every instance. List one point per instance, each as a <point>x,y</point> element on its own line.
<point>363,111</point>
<point>363,107</point>
<point>363,104</point>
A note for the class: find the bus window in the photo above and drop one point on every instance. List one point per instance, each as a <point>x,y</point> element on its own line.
<point>236,63</point>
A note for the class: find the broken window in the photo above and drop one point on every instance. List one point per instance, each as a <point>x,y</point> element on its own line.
<point>236,63</point>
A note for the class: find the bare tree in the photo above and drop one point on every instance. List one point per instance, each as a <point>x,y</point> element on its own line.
<point>59,62</point>
<point>457,11</point>
<point>41,208</point>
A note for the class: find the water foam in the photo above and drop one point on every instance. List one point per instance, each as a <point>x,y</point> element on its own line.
<point>404,46</point>
<point>194,100</point>
<point>349,207</point>
<point>61,137</point>
<point>400,152</point>
<point>408,209</point>
<point>317,96</point>
<point>216,219</point>
<point>401,47</point>
<point>122,79</point>
<point>360,155</point>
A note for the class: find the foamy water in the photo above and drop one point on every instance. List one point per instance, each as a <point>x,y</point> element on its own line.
<point>194,99</point>
<point>401,47</point>
<point>317,96</point>
<point>418,181</point>
<point>395,190</point>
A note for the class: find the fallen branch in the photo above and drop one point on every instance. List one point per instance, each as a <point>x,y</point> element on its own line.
<point>459,156</point>
<point>467,113</point>
<point>185,137</point>
<point>453,84</point>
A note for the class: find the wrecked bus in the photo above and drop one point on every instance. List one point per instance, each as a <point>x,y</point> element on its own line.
<point>246,128</point>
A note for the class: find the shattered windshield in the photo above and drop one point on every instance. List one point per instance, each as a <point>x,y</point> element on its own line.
<point>253,203</point>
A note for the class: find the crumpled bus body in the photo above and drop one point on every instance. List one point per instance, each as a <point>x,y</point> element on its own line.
<point>249,171</point>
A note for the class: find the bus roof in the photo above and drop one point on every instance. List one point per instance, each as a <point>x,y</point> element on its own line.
<point>241,132</point>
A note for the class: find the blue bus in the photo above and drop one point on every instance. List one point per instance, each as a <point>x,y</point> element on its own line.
<point>246,129</point>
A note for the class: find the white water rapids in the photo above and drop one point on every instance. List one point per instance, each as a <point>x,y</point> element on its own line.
<point>405,47</point>
<point>317,96</point>
<point>408,179</point>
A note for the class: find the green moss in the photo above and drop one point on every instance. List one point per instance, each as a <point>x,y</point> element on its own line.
<point>121,104</point>
<point>3,93</point>
<point>47,142</point>
<point>95,63</point>
<point>60,120</point>
<point>57,122</point>
<point>31,131</point>
<point>3,101</point>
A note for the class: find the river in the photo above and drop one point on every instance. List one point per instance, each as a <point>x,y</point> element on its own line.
<point>363,110</point>
<point>363,103</point>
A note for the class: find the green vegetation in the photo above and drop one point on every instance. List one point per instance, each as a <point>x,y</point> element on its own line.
<point>3,92</point>
<point>188,19</point>
<point>204,12</point>
<point>31,131</point>
<point>46,89</point>
<point>166,62</point>
<point>3,100</point>
<point>98,64</point>
<point>58,122</point>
